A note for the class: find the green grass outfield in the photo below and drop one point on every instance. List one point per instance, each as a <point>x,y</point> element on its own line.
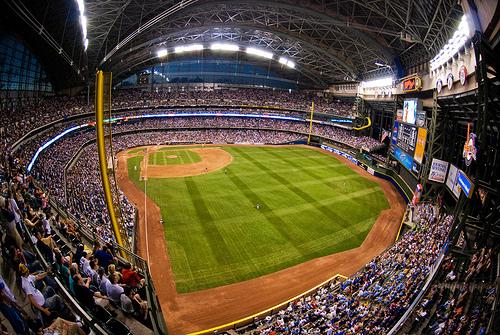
<point>312,205</point>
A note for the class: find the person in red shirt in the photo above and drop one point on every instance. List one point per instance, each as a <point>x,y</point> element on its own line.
<point>129,276</point>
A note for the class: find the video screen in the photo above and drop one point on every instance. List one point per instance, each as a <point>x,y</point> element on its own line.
<point>410,111</point>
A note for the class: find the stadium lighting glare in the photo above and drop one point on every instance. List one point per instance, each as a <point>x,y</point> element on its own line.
<point>224,47</point>
<point>382,82</point>
<point>454,44</point>
<point>83,22</point>
<point>188,48</point>
<point>162,53</point>
<point>260,53</point>
<point>81,5</point>
<point>287,62</point>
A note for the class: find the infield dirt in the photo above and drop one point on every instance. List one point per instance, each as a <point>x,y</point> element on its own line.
<point>190,312</point>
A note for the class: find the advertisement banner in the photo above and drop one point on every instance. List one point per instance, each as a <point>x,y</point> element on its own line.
<point>341,153</point>
<point>465,184</point>
<point>410,110</point>
<point>403,158</point>
<point>420,119</point>
<point>399,115</point>
<point>438,170</point>
<point>395,131</point>
<point>420,147</point>
<point>451,181</point>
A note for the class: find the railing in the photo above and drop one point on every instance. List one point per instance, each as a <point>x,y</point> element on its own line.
<point>155,313</point>
<point>74,117</point>
<point>270,311</point>
<point>68,297</point>
<point>430,278</point>
<point>497,296</point>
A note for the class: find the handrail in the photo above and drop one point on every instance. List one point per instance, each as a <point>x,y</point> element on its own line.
<point>68,297</point>
<point>154,306</point>
<point>430,278</point>
<point>278,306</point>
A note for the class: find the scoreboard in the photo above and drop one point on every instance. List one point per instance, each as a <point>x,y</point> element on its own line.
<point>408,145</point>
<point>405,137</point>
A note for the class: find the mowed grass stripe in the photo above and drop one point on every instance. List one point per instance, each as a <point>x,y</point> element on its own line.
<point>332,182</point>
<point>271,217</point>
<point>289,229</point>
<point>290,211</point>
<point>214,238</point>
<point>324,209</point>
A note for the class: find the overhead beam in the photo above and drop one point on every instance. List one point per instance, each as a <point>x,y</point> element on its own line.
<point>306,42</point>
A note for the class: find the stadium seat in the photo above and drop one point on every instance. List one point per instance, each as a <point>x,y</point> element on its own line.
<point>117,327</point>
<point>102,314</point>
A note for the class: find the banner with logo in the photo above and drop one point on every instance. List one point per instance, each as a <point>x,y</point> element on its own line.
<point>438,170</point>
<point>420,146</point>
<point>465,183</point>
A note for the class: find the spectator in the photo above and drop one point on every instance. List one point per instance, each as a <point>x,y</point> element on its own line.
<point>46,302</point>
<point>83,293</point>
<point>104,257</point>
<point>114,289</point>
<point>129,276</point>
<point>11,311</point>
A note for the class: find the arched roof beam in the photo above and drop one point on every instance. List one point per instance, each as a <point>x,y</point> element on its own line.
<point>344,65</point>
<point>283,5</point>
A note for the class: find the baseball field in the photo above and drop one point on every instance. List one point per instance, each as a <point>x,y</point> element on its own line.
<point>232,213</point>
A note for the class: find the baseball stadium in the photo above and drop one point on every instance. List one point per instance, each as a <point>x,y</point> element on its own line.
<point>249,167</point>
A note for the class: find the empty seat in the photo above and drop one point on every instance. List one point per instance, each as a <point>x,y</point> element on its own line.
<point>101,314</point>
<point>117,327</point>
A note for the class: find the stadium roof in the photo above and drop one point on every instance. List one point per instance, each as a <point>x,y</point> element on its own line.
<point>330,41</point>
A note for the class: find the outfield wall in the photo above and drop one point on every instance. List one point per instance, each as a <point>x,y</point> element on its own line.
<point>389,175</point>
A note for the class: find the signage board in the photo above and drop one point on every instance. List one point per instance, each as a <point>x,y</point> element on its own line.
<point>412,84</point>
<point>451,181</point>
<point>465,183</point>
<point>438,171</point>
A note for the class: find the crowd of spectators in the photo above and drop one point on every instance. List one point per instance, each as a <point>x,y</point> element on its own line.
<point>297,100</point>
<point>461,297</point>
<point>39,307</point>
<point>93,276</point>
<point>19,120</point>
<point>84,199</point>
<point>372,300</point>
<point>339,135</point>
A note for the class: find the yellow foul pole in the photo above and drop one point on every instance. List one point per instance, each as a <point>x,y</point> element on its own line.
<point>101,149</point>
<point>311,123</point>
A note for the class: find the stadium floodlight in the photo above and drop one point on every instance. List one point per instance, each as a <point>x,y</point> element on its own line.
<point>260,53</point>
<point>188,48</point>
<point>161,53</point>
<point>225,47</point>
<point>83,23</point>
<point>81,6</point>
<point>382,82</point>
<point>285,61</point>
<point>453,45</point>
